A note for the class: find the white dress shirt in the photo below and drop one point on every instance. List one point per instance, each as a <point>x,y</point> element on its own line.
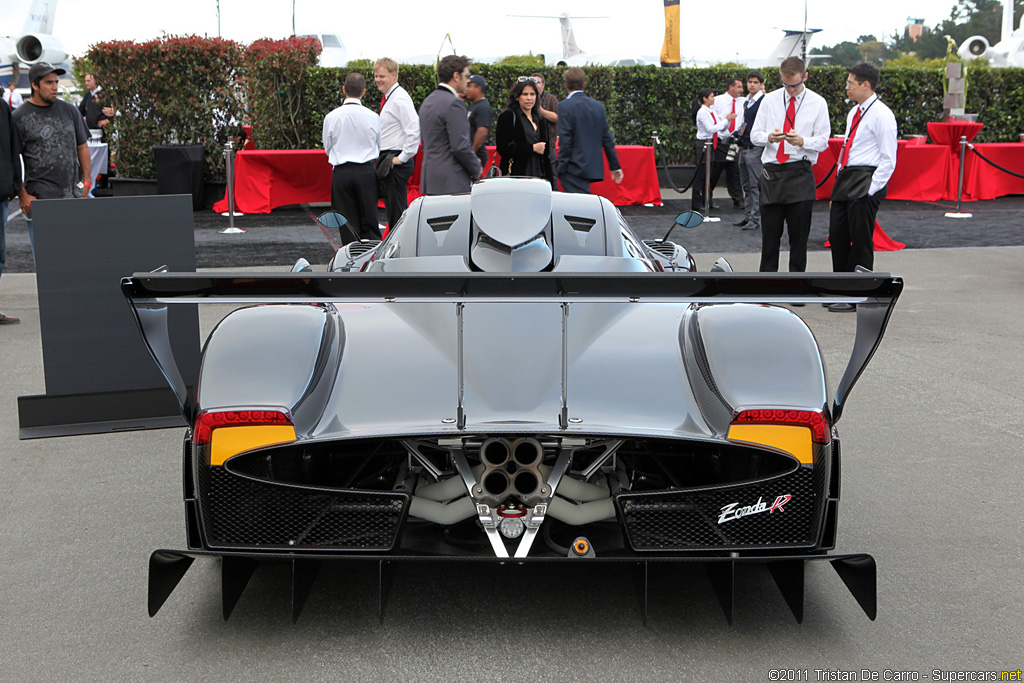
<point>399,124</point>
<point>12,98</point>
<point>706,124</point>
<point>811,123</point>
<point>874,143</point>
<point>351,134</point>
<point>724,107</point>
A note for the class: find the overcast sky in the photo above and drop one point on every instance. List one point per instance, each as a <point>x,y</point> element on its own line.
<point>405,28</point>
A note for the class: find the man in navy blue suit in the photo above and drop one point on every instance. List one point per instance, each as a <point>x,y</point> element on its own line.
<point>582,134</point>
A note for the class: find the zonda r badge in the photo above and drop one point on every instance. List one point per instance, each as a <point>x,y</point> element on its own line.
<point>733,511</point>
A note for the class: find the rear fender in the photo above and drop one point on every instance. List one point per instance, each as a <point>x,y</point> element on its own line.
<point>281,355</point>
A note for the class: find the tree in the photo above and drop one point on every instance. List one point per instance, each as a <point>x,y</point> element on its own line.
<point>967,18</point>
<point>866,49</point>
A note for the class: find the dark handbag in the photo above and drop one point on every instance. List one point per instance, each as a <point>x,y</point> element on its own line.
<point>852,182</point>
<point>787,183</point>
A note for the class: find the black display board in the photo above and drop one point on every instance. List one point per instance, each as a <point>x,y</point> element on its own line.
<point>179,170</point>
<point>99,375</point>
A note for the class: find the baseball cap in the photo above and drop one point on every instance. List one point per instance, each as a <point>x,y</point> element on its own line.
<point>40,69</point>
<point>479,80</point>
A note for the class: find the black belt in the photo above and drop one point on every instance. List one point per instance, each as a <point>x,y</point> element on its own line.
<point>354,163</point>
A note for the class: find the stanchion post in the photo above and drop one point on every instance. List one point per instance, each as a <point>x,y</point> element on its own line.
<point>960,183</point>
<point>229,169</point>
<point>709,149</point>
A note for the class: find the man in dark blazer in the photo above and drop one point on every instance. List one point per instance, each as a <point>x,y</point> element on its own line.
<point>582,134</point>
<point>449,163</point>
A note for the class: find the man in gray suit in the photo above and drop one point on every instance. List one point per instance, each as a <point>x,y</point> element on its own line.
<point>449,163</point>
<point>582,135</point>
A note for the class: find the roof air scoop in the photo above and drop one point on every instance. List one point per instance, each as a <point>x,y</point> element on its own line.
<point>511,215</point>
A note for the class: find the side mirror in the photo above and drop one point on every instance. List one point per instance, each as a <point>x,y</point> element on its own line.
<point>332,219</point>
<point>687,219</point>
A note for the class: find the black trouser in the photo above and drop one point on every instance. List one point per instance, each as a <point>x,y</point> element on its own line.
<point>575,184</point>
<point>354,195</point>
<point>732,176</point>
<point>697,201</point>
<point>797,220</point>
<point>396,197</point>
<point>851,231</point>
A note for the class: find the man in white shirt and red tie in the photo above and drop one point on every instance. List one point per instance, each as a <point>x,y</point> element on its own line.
<point>731,102</point>
<point>12,97</point>
<point>793,127</point>
<point>399,138</point>
<point>352,141</point>
<point>866,163</point>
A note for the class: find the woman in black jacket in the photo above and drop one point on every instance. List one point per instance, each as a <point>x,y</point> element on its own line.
<point>522,135</point>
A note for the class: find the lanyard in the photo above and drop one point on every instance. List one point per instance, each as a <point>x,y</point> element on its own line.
<point>854,127</point>
<point>795,113</point>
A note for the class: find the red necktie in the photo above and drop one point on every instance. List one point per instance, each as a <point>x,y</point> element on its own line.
<point>849,140</point>
<point>732,124</point>
<point>714,139</point>
<point>786,127</point>
<point>383,99</point>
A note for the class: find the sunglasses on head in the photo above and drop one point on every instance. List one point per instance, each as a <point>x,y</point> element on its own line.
<point>528,79</point>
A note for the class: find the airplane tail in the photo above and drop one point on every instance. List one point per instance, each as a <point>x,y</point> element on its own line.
<point>40,17</point>
<point>793,44</point>
<point>569,46</point>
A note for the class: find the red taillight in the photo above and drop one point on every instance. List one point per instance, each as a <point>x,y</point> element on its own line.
<point>812,419</point>
<point>209,420</point>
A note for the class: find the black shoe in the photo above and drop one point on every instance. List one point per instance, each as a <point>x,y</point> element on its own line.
<point>798,304</point>
<point>750,227</point>
<point>713,208</point>
<point>740,224</point>
<point>842,308</point>
<point>738,205</point>
<point>9,320</point>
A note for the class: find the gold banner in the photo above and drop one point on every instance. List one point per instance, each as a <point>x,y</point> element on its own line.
<point>670,48</point>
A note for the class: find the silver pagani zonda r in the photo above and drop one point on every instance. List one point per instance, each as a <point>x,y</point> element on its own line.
<point>512,375</point>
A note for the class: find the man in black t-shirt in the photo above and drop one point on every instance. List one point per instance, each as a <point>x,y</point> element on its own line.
<point>481,116</point>
<point>53,144</point>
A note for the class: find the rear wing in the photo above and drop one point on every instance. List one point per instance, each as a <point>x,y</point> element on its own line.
<point>150,293</point>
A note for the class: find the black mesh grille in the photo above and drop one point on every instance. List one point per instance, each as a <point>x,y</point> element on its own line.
<point>441,223</point>
<point>240,512</point>
<point>688,520</point>
<point>357,249</point>
<point>666,249</point>
<point>579,223</point>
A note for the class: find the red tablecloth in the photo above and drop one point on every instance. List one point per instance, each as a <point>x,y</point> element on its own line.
<point>265,179</point>
<point>882,241</point>
<point>639,180</point>
<point>948,135</point>
<point>983,181</point>
<point>921,171</point>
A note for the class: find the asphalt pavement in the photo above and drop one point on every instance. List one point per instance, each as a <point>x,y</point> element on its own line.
<point>291,232</point>
<point>931,480</point>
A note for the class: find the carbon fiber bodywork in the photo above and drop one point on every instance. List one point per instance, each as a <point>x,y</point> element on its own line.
<point>512,415</point>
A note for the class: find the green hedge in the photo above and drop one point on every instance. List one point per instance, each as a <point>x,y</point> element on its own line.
<point>175,90</point>
<point>643,99</point>
<point>188,90</point>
